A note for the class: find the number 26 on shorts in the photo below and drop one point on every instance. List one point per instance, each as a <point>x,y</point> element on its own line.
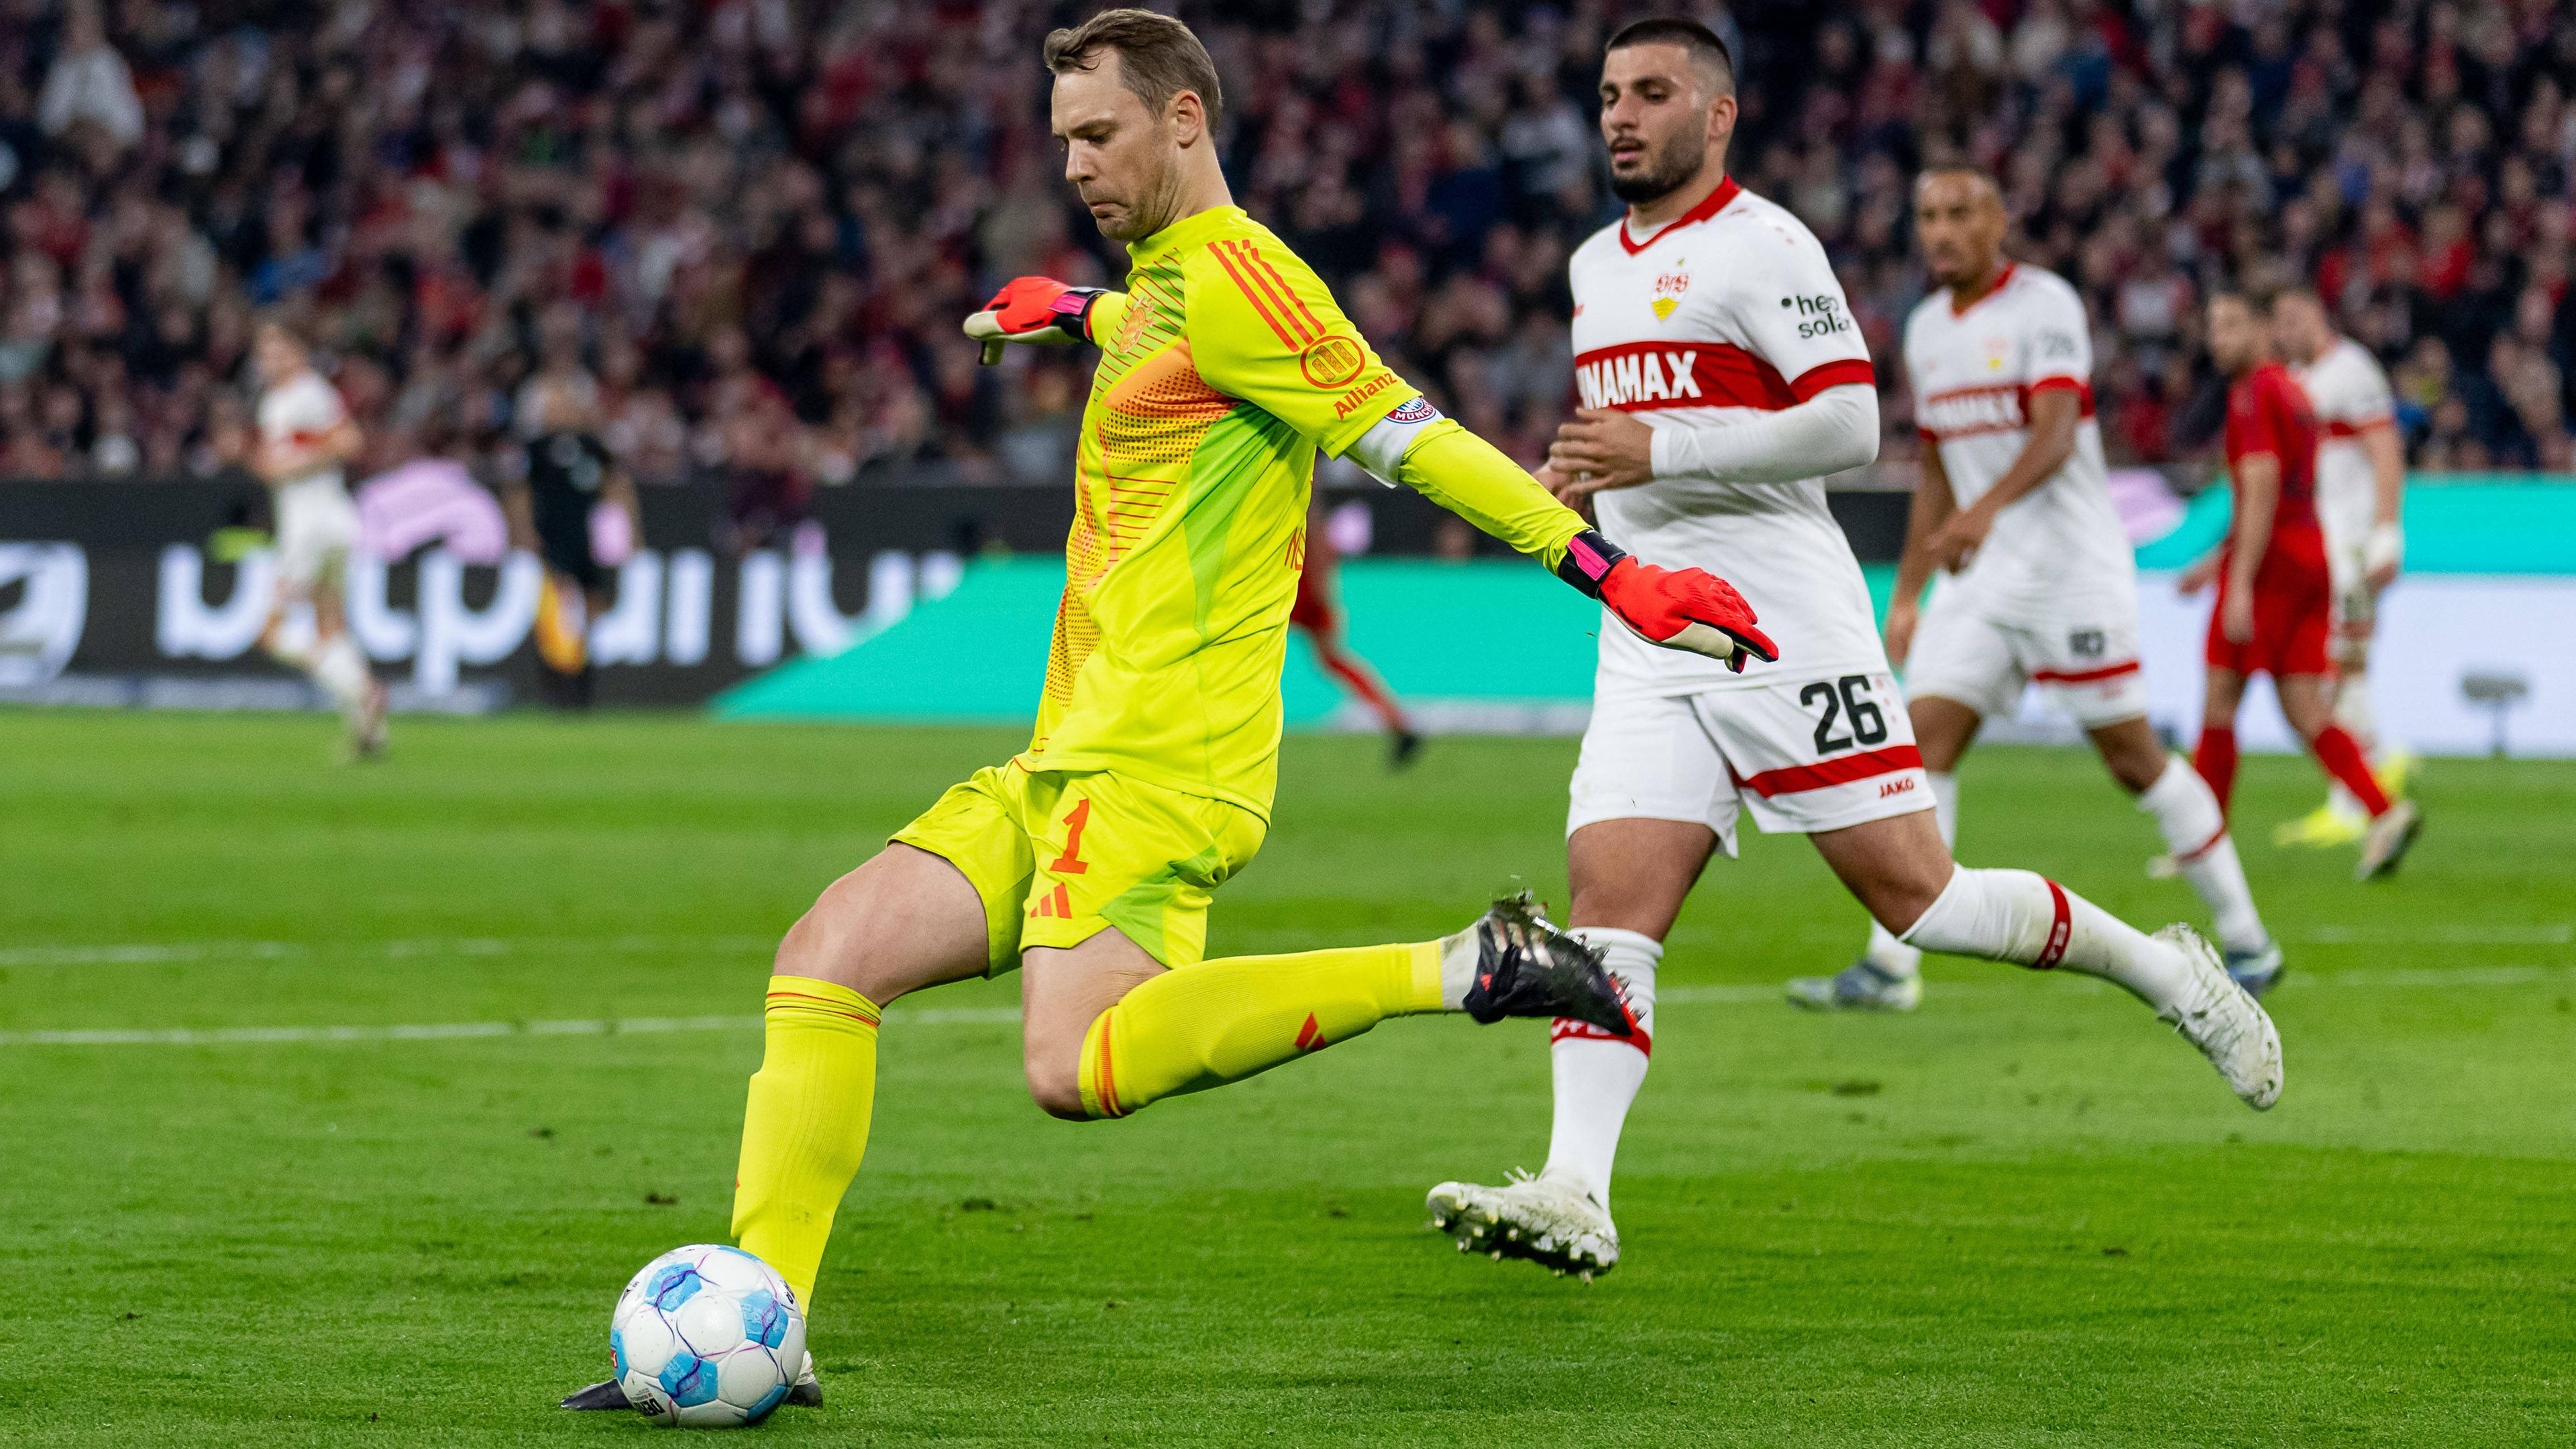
<point>1845,701</point>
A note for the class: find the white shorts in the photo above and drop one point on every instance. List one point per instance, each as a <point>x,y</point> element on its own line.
<point>1806,755</point>
<point>2087,665</point>
<point>317,526</point>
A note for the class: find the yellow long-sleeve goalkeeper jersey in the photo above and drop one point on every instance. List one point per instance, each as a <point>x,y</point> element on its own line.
<point>1224,365</point>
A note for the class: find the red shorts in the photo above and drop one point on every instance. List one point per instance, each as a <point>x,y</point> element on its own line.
<point>1315,611</point>
<point>2293,615</point>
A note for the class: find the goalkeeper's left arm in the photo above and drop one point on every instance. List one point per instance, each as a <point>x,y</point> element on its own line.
<point>1444,462</point>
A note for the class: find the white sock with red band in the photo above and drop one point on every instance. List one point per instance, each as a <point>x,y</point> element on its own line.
<point>2028,920</point>
<point>2195,830</point>
<point>1597,1074</point>
<point>1886,952</point>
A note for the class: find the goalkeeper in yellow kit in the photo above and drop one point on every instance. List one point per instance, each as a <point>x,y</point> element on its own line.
<point>1088,860</point>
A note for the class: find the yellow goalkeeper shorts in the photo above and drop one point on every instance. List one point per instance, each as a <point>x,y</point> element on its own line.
<point>1057,857</point>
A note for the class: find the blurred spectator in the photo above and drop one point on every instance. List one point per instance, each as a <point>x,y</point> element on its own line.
<point>89,85</point>
<point>756,222</point>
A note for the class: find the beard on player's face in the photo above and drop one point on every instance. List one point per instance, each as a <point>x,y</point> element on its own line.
<point>1665,168</point>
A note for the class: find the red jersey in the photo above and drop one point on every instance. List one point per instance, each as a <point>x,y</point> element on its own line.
<point>2268,413</point>
<point>2293,596</point>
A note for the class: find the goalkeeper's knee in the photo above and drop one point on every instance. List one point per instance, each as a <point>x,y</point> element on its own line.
<point>1051,1056</point>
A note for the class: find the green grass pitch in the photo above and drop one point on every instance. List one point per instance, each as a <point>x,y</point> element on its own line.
<point>2025,1215</point>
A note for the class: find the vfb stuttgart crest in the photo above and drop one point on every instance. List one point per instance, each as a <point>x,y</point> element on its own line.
<point>1668,293</point>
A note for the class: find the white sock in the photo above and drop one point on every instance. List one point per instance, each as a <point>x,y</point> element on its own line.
<point>2352,710</point>
<point>1457,968</point>
<point>1597,1074</point>
<point>341,671</point>
<point>2195,830</point>
<point>1886,952</point>
<point>2015,916</point>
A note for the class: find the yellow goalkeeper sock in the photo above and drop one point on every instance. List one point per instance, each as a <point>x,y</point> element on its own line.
<point>806,1125</point>
<point>1222,1021</point>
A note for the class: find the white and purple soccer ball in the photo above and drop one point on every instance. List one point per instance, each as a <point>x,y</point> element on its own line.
<point>707,1337</point>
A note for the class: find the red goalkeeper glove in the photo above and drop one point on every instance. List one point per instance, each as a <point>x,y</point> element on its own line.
<point>1033,309</point>
<point>1678,608</point>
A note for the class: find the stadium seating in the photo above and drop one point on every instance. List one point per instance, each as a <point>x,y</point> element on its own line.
<point>735,203</point>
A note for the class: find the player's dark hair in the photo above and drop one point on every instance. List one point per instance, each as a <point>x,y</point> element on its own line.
<point>289,327</point>
<point>1158,57</point>
<point>2254,296</point>
<point>1707,51</point>
<point>1956,167</point>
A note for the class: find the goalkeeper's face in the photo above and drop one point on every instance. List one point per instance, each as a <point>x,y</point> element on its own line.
<point>1125,160</point>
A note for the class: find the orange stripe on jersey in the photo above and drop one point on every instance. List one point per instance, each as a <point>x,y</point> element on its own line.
<point>1258,292</point>
<point>1281,300</point>
<point>1312,328</point>
<point>1225,258</point>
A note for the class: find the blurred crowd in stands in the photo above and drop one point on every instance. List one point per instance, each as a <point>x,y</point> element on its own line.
<point>758,222</point>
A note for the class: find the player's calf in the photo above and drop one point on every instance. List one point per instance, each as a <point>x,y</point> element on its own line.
<point>1063,993</point>
<point>1221,1021</point>
<point>1896,867</point>
<point>2015,916</point>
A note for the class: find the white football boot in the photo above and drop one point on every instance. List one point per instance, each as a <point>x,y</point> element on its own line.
<point>367,723</point>
<point>2225,1021</point>
<point>807,1391</point>
<point>2387,839</point>
<point>1550,1221</point>
<point>1864,985</point>
<point>2259,969</point>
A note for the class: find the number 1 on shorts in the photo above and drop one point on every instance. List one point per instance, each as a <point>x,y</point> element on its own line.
<point>1071,862</point>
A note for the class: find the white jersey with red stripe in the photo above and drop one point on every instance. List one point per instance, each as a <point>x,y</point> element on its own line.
<point>299,413</point>
<point>2350,393</point>
<point>1974,371</point>
<point>1729,311</point>
<point>316,524</point>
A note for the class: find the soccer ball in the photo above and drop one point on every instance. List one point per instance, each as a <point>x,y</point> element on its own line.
<point>707,1337</point>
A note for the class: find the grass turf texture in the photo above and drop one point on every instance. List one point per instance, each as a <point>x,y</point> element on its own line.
<point>2026,1215</point>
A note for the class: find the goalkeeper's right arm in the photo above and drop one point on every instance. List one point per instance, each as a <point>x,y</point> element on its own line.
<point>1042,309</point>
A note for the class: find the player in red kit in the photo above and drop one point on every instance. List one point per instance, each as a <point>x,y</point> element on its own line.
<point>2275,596</point>
<point>1318,611</point>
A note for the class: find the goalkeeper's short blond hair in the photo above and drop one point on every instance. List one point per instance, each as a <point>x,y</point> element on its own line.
<point>1158,57</point>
